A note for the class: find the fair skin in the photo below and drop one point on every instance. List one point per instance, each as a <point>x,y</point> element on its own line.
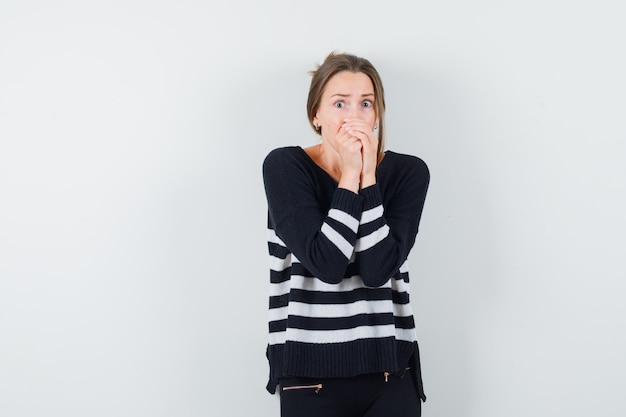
<point>346,114</point>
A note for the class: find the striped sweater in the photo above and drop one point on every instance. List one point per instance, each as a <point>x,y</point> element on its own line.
<point>339,286</point>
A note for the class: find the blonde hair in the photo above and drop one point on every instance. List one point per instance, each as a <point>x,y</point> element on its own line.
<point>338,62</point>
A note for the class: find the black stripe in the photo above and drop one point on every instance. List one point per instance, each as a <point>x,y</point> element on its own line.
<point>405,322</point>
<point>278,326</point>
<point>277,250</point>
<point>344,297</point>
<point>299,269</point>
<point>342,229</point>
<point>400,297</point>
<point>404,276</point>
<point>277,301</point>
<point>318,297</point>
<point>339,323</point>
<point>276,277</point>
<point>371,227</point>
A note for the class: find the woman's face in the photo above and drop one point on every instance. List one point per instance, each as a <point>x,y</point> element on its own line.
<point>347,95</point>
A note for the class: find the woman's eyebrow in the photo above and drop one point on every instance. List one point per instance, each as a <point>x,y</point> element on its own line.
<point>348,95</point>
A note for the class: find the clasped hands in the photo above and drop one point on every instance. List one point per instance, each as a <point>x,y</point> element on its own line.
<point>357,145</point>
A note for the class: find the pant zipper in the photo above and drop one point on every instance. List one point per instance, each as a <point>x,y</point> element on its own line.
<point>386,374</point>
<point>317,387</point>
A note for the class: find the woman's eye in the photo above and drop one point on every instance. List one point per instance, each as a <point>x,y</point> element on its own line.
<point>339,104</point>
<point>367,103</point>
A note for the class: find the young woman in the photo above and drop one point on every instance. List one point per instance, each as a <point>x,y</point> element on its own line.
<point>342,217</point>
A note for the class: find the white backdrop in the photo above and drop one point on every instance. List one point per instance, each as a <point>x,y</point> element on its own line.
<point>133,265</point>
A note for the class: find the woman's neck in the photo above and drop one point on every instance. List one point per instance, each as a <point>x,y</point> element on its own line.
<point>326,158</point>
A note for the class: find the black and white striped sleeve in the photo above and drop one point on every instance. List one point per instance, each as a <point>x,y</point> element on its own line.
<point>388,229</point>
<point>321,239</point>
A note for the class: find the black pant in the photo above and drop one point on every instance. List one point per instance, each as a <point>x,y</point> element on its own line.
<point>372,395</point>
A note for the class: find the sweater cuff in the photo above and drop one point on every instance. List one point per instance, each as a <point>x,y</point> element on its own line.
<point>348,202</point>
<point>372,197</point>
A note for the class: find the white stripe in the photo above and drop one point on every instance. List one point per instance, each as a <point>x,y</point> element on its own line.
<point>339,310</point>
<point>340,336</point>
<point>400,285</point>
<point>277,338</point>
<point>279,264</point>
<point>276,314</point>
<point>372,239</point>
<point>402,310</point>
<point>273,238</point>
<point>280,288</point>
<point>372,214</point>
<point>315,284</point>
<point>345,218</point>
<point>342,244</point>
<point>407,335</point>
